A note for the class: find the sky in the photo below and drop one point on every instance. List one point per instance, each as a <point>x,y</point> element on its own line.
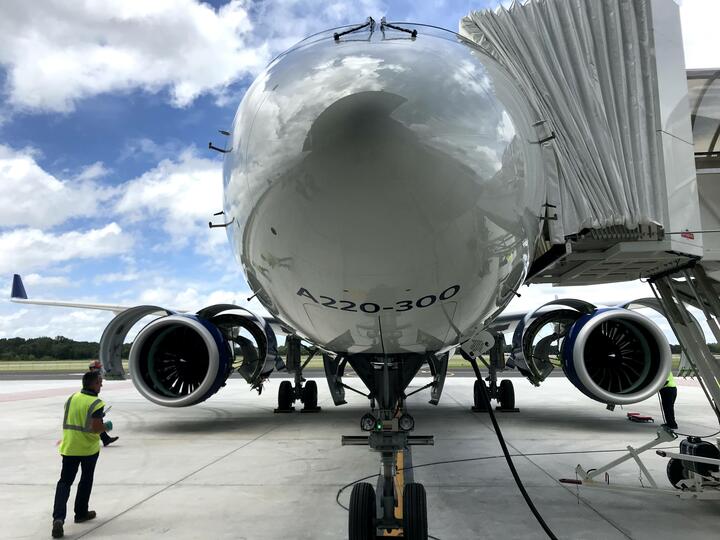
<point>106,109</point>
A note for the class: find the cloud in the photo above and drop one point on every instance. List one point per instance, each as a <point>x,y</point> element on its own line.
<point>33,197</point>
<point>24,250</point>
<point>181,196</point>
<point>49,281</point>
<point>34,322</point>
<point>117,277</point>
<point>57,53</point>
<point>93,172</point>
<point>194,298</point>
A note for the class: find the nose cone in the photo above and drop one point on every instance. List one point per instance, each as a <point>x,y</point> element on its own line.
<point>384,190</point>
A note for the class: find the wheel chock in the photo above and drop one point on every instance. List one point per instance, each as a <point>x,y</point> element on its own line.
<point>640,418</point>
<point>277,411</point>
<point>315,410</point>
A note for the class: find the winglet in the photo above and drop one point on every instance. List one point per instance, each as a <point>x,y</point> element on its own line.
<point>18,289</point>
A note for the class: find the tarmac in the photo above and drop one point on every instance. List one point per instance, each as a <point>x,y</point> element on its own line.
<point>230,468</point>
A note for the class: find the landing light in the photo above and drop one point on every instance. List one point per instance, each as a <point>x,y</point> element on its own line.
<point>406,422</point>
<point>367,422</point>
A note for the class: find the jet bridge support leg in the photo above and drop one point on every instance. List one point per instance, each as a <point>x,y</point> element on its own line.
<point>695,288</point>
<point>290,392</point>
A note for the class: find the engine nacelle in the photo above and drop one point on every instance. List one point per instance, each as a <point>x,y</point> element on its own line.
<point>179,360</point>
<point>613,355</point>
<point>616,356</point>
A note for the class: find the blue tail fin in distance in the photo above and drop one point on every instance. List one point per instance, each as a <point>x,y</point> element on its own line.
<point>18,289</point>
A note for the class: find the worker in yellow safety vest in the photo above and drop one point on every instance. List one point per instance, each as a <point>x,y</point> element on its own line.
<point>106,439</point>
<point>80,447</point>
<point>668,395</point>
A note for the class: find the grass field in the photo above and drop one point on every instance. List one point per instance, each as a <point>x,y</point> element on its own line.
<point>75,366</point>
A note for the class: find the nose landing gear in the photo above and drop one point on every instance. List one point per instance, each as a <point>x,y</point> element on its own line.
<point>385,509</point>
<point>398,503</point>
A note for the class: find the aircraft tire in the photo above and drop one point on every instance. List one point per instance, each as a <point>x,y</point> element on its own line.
<point>285,396</point>
<point>361,518</point>
<point>507,395</point>
<point>415,525</point>
<point>310,394</point>
<point>478,400</point>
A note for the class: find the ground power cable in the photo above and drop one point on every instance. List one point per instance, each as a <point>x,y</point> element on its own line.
<point>511,465</point>
<point>478,458</point>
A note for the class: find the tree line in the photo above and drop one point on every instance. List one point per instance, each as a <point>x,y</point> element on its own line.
<point>62,348</point>
<point>58,348</point>
<point>47,348</point>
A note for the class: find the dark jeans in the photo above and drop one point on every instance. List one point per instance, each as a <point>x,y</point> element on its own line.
<point>668,395</point>
<point>105,438</point>
<point>70,466</point>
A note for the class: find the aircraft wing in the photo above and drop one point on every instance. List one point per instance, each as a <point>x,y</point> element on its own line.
<point>19,296</point>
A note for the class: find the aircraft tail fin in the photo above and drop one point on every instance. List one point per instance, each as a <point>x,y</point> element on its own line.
<point>18,289</point>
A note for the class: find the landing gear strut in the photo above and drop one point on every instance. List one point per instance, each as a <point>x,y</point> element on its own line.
<point>373,511</point>
<point>289,393</point>
<point>503,393</point>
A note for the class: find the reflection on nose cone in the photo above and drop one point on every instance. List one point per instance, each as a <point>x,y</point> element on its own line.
<point>385,196</point>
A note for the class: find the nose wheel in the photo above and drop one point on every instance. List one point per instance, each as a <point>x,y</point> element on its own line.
<point>361,519</point>
<point>415,523</point>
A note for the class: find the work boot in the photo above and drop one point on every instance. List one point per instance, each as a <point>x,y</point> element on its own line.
<point>110,440</point>
<point>670,426</point>
<point>57,530</point>
<point>87,517</point>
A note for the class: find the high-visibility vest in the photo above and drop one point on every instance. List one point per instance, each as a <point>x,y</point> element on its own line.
<point>670,383</point>
<point>78,438</point>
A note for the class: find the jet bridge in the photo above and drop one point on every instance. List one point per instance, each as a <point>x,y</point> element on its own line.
<point>631,152</point>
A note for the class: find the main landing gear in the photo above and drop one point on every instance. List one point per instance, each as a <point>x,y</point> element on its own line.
<point>503,393</point>
<point>399,502</point>
<point>289,393</point>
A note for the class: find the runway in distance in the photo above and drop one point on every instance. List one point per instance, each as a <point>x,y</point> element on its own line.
<point>383,187</point>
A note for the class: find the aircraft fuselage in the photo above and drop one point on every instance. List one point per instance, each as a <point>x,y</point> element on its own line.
<point>385,190</point>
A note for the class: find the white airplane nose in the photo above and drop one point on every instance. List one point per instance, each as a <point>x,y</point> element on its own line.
<point>383,184</point>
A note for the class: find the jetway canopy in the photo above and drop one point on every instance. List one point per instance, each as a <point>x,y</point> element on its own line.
<point>608,80</point>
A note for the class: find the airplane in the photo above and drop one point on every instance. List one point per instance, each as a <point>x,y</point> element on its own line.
<point>384,195</point>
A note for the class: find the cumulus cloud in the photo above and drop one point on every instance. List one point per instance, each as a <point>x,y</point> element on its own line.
<point>32,322</point>
<point>50,281</point>
<point>117,277</point>
<point>57,53</point>
<point>195,298</point>
<point>24,250</point>
<point>181,195</point>
<point>33,197</point>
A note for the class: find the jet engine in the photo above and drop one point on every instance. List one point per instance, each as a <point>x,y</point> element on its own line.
<point>612,355</point>
<point>179,360</point>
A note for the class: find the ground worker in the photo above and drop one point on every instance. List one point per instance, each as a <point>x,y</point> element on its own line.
<point>668,395</point>
<point>80,447</point>
<point>106,439</point>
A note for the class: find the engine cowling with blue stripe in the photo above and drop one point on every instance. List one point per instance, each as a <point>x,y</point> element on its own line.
<point>612,355</point>
<point>179,360</point>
